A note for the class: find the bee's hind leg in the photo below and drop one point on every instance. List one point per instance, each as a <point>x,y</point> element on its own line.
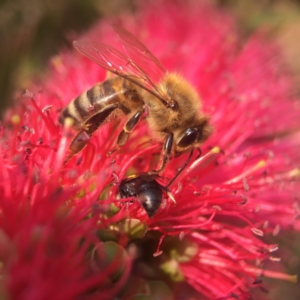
<point>87,130</point>
<point>78,143</point>
<point>124,134</point>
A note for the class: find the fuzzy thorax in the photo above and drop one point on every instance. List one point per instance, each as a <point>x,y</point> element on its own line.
<point>185,114</point>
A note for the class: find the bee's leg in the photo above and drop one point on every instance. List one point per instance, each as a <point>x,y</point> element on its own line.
<point>95,121</point>
<point>167,151</point>
<point>124,134</point>
<point>78,143</point>
<point>182,168</point>
<point>199,153</point>
<point>89,127</point>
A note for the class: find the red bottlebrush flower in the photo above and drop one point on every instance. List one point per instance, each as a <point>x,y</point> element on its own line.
<point>65,232</point>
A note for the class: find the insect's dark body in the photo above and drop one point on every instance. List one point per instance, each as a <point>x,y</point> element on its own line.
<point>146,189</point>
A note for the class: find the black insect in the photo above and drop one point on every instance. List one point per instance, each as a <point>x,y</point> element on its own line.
<point>146,189</point>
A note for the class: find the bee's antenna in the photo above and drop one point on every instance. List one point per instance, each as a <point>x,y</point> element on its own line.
<point>181,169</point>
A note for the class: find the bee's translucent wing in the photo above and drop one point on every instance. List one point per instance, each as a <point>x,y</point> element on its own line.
<point>106,56</point>
<point>136,60</point>
<point>116,62</point>
<point>149,65</point>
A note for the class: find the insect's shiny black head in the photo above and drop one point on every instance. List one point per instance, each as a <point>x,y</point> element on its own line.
<point>146,189</point>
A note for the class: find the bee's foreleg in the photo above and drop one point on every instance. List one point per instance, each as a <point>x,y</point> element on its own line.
<point>183,167</point>
<point>166,153</point>
<point>124,134</point>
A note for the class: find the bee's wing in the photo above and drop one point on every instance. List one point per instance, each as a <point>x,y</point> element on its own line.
<point>114,61</point>
<point>149,65</point>
<point>106,56</point>
<point>134,62</point>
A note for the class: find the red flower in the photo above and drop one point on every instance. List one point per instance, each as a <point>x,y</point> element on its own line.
<point>66,234</point>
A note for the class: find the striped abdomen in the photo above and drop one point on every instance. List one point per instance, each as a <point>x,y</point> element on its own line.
<point>117,92</point>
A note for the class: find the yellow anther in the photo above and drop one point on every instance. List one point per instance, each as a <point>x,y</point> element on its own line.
<point>56,61</point>
<point>15,119</point>
<point>171,197</point>
<point>68,122</point>
<point>261,164</point>
<point>294,173</point>
<point>215,150</point>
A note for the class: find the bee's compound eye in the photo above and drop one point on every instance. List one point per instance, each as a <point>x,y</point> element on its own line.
<point>189,137</point>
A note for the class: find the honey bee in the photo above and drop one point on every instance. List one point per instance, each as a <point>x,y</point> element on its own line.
<point>142,87</point>
<point>146,189</point>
